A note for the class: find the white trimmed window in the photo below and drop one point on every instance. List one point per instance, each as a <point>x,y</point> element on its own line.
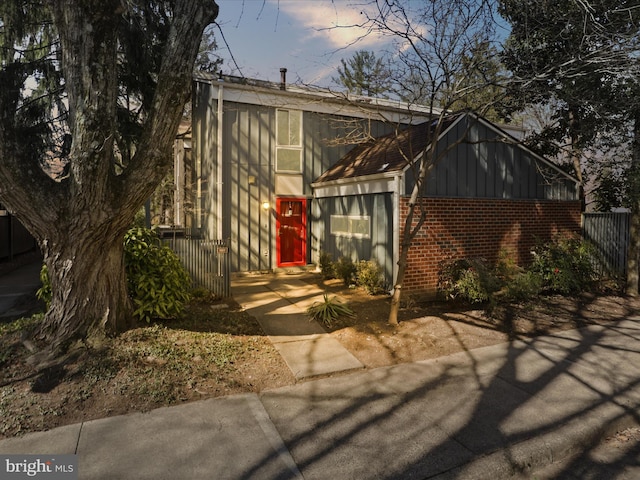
<point>352,226</point>
<point>289,141</point>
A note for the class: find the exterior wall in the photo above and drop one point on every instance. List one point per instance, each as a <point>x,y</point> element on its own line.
<point>378,247</point>
<point>237,177</point>
<point>490,166</point>
<point>480,228</point>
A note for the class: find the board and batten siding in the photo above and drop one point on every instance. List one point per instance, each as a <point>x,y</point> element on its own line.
<point>230,194</point>
<point>491,166</point>
<point>379,244</point>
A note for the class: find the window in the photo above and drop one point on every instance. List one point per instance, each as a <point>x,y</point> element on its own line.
<point>289,141</point>
<point>351,226</point>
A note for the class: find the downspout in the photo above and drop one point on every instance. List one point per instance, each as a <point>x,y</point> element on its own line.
<point>219,169</point>
<point>396,228</point>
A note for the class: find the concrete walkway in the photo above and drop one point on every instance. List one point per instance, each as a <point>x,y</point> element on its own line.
<point>490,413</point>
<point>279,303</point>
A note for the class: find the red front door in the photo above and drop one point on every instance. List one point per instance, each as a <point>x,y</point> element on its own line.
<point>291,225</point>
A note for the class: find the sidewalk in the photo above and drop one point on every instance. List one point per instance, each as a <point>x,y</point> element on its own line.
<point>492,412</point>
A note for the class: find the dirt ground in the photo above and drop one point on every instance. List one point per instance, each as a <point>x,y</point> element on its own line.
<point>217,350</point>
<point>435,328</point>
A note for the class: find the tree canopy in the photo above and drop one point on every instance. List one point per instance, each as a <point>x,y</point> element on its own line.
<point>364,74</point>
<point>577,57</point>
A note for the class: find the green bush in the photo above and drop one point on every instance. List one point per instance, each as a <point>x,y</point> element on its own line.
<point>345,270</point>
<point>565,266</point>
<point>523,286</point>
<point>472,280</point>
<point>516,284</point>
<point>325,262</point>
<point>156,281</point>
<point>369,276</point>
<point>328,311</point>
<point>44,292</point>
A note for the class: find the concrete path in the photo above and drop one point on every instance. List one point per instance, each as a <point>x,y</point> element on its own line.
<point>491,413</point>
<point>279,303</point>
<point>496,412</point>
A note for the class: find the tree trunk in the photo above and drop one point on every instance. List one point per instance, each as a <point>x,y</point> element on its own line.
<point>408,234</point>
<point>80,219</point>
<point>633,252</point>
<point>397,289</point>
<point>89,291</point>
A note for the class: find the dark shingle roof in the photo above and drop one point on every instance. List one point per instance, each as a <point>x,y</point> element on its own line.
<point>389,153</point>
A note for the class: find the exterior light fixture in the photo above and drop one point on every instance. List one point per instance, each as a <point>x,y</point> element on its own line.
<point>265,205</point>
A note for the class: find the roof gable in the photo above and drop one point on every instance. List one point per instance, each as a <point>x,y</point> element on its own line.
<point>387,154</point>
<point>390,153</point>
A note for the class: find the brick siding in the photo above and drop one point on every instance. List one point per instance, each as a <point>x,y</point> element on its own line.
<point>480,228</point>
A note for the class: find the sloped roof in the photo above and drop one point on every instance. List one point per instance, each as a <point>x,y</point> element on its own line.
<point>389,153</point>
<point>385,154</point>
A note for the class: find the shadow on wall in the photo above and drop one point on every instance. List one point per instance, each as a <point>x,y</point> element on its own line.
<point>480,228</point>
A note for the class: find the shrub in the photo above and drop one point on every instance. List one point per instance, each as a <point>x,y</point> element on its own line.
<point>468,279</point>
<point>325,262</point>
<point>44,292</point>
<point>328,311</point>
<point>345,270</point>
<point>156,280</point>
<point>565,266</point>
<point>369,276</point>
<point>523,286</point>
<point>516,283</point>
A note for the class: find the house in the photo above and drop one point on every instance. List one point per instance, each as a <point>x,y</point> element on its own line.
<point>486,193</point>
<point>284,172</point>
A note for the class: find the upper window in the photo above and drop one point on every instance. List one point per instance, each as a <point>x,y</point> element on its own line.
<point>289,141</point>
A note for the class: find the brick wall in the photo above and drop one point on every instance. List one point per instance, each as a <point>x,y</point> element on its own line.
<point>481,228</point>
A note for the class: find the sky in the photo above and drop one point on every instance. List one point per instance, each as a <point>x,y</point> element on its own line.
<point>307,37</point>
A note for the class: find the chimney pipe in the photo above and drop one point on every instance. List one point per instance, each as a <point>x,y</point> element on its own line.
<point>283,79</point>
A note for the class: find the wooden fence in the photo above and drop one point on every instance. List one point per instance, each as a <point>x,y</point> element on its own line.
<point>207,261</point>
<point>609,232</point>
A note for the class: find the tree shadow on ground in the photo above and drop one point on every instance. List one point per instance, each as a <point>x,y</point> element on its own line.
<point>510,407</point>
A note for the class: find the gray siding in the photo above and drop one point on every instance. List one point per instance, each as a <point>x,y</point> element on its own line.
<point>379,247</point>
<point>248,172</point>
<point>486,166</point>
<point>247,177</point>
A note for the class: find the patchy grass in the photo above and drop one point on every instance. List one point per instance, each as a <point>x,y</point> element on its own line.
<point>208,352</point>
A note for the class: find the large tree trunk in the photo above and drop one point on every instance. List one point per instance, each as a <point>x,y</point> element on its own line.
<point>402,269</point>
<point>410,230</point>
<point>633,252</point>
<point>89,292</point>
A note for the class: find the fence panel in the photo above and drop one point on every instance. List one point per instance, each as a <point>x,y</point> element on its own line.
<point>609,232</point>
<point>207,261</point>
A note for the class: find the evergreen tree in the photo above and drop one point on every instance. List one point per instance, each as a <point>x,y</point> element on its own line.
<point>479,83</point>
<point>93,92</point>
<point>364,74</point>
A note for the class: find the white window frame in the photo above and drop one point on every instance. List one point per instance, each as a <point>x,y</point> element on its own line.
<point>349,233</point>
<point>283,147</point>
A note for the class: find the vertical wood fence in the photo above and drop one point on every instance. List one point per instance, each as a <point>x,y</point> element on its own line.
<point>207,261</point>
<point>609,232</point>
